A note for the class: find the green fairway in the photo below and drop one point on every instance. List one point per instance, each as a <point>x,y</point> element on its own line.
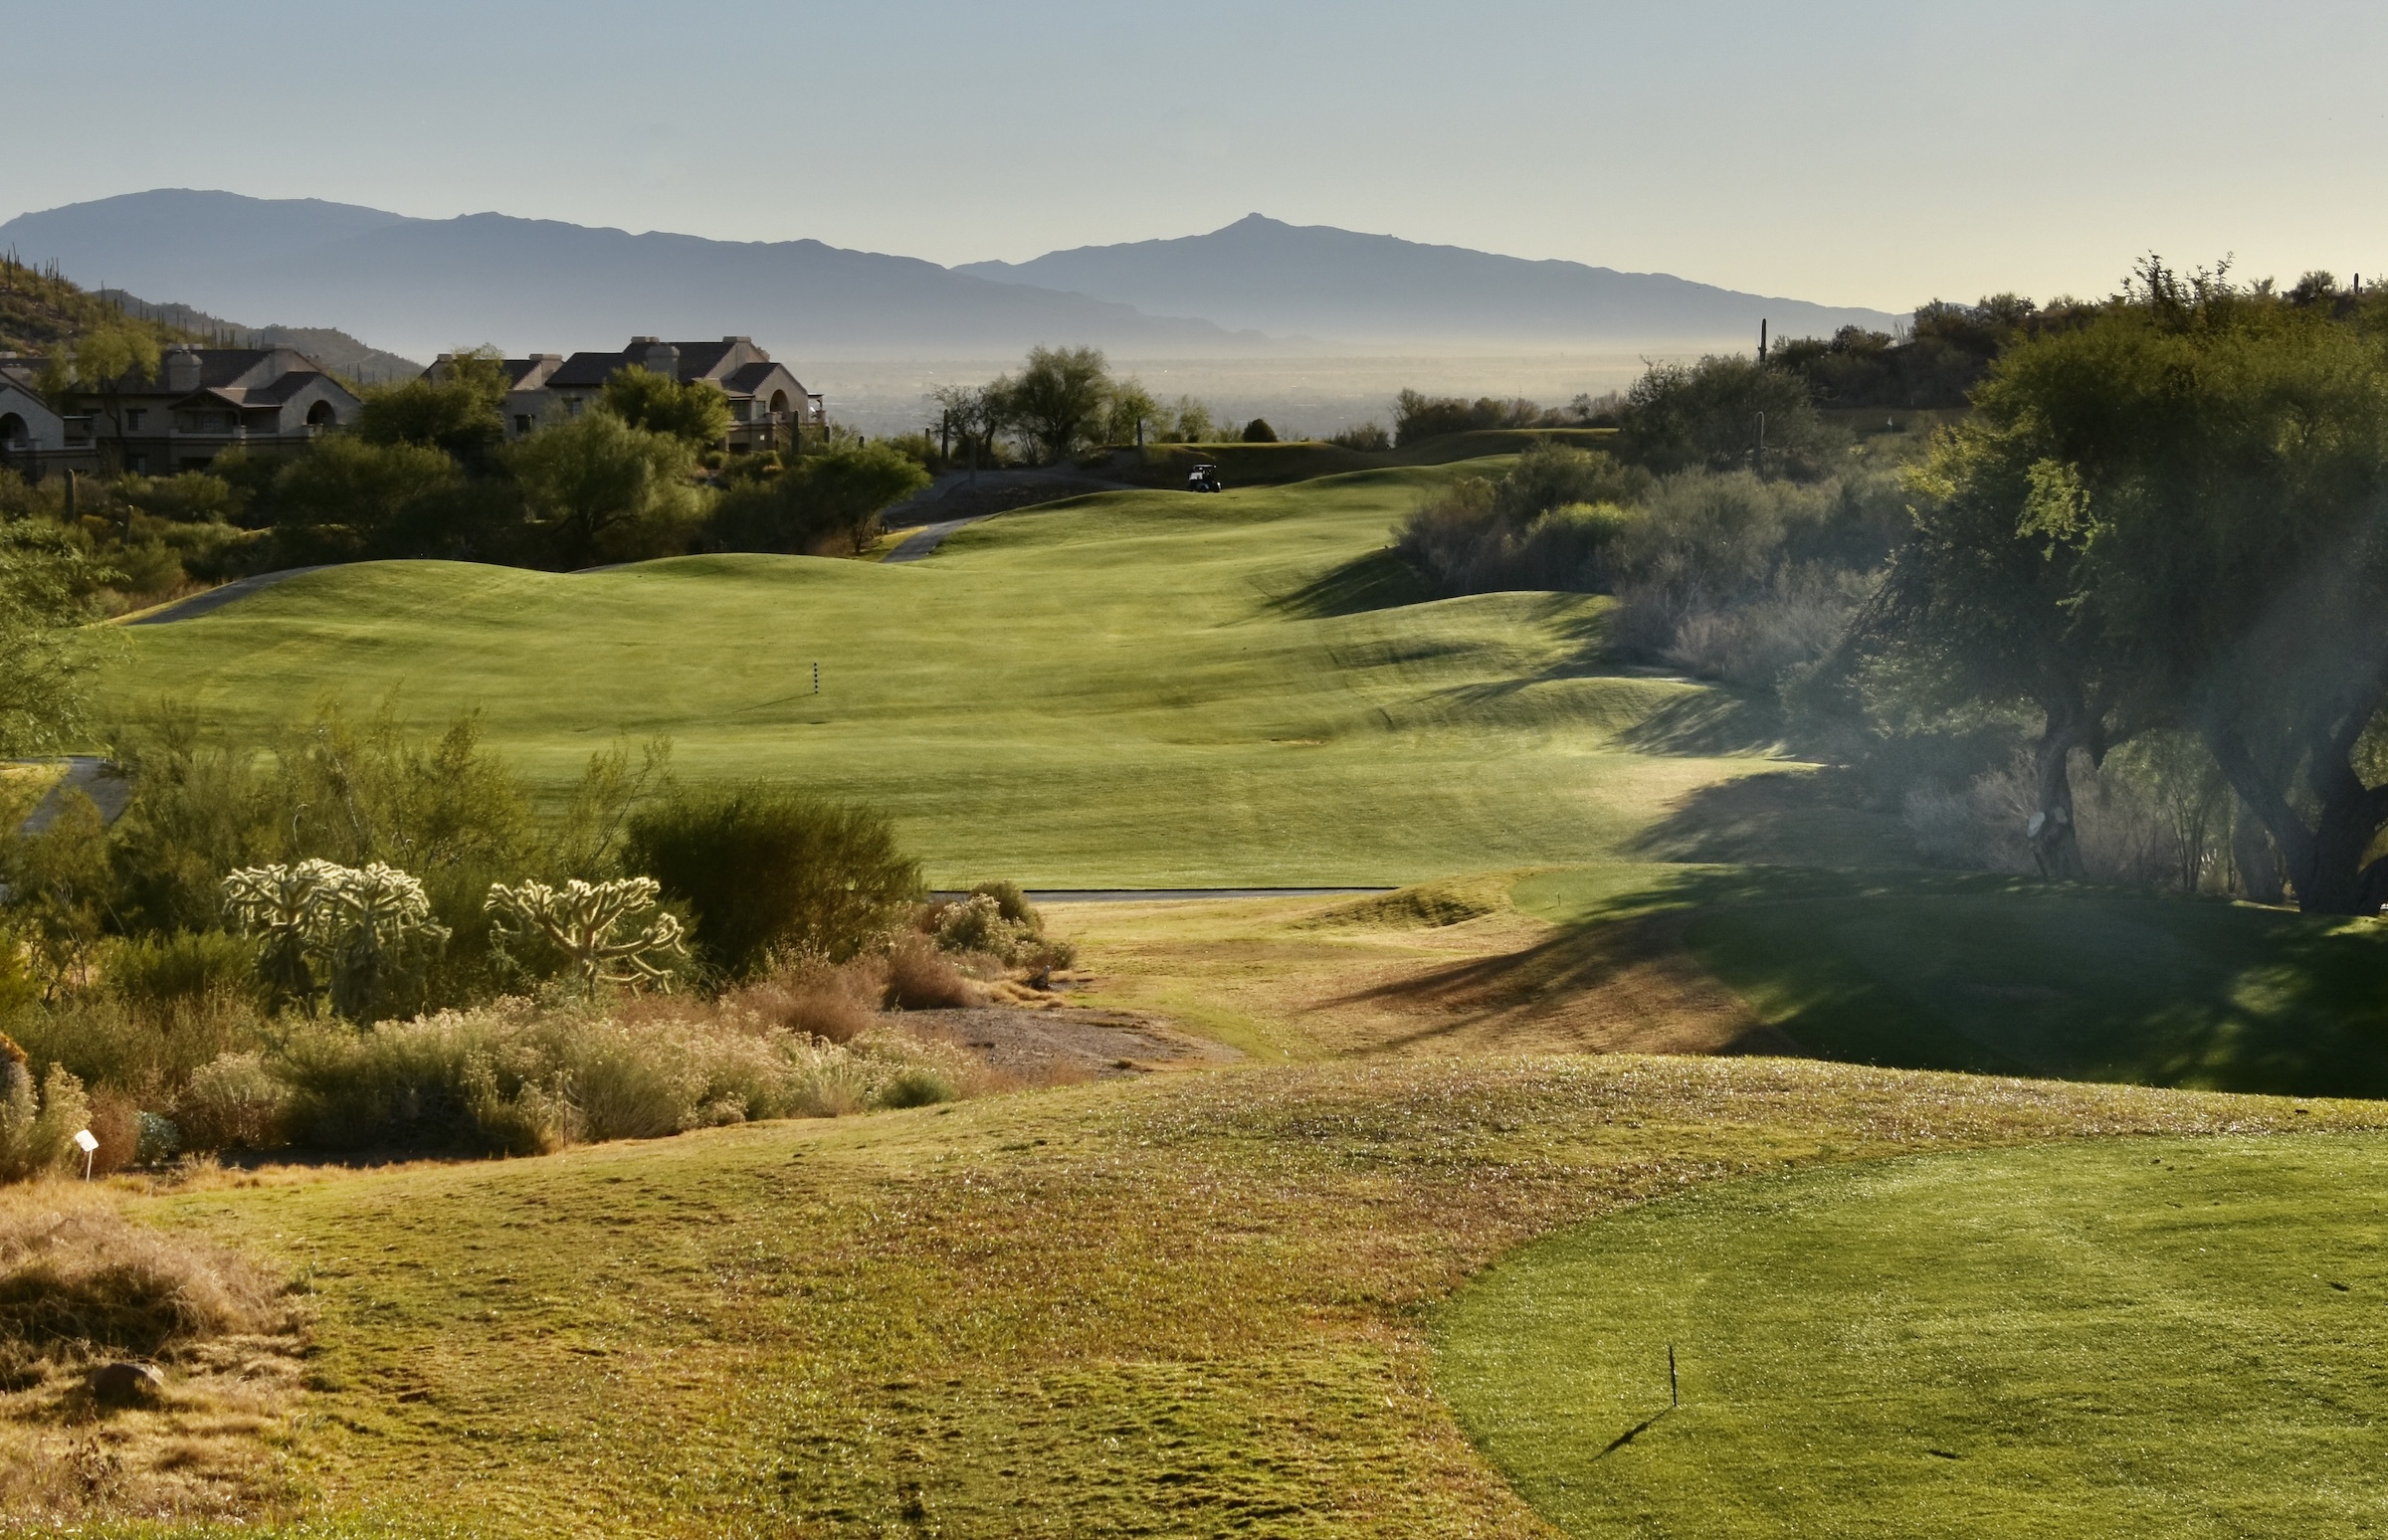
<point>2134,1338</point>
<point>2005,975</point>
<point>1126,689</point>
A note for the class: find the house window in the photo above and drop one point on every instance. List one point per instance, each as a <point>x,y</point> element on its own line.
<point>571,406</point>
<point>138,465</point>
<point>135,417</point>
<point>522,422</point>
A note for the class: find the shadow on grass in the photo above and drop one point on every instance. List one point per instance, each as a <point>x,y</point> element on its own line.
<point>1796,817</point>
<point>1380,580</point>
<point>1615,988</point>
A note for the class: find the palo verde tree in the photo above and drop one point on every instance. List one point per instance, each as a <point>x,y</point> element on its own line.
<point>2176,515</point>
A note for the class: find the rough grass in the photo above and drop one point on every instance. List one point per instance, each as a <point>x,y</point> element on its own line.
<point>2137,1339</point>
<point>1193,1305</point>
<point>1140,689</point>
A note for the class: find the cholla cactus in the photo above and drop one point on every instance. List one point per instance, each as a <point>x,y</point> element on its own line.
<point>357,929</point>
<point>581,921</point>
<point>289,909</point>
<point>380,922</point>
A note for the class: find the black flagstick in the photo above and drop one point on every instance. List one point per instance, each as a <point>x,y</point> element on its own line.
<point>1674,1393</point>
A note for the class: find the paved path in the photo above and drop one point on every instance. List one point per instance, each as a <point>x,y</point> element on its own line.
<point>89,775</point>
<point>216,598</point>
<point>928,537</point>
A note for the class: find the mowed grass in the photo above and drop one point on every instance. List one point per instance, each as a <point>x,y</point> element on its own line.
<point>1191,1305</point>
<point>2008,976</point>
<point>1140,689</point>
<point>2128,1338</point>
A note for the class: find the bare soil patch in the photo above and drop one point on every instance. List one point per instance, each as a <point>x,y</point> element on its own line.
<point>1067,1042</point>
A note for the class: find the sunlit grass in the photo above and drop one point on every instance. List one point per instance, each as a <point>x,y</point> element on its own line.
<point>2132,1338</point>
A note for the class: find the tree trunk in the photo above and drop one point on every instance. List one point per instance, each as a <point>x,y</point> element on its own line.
<point>2251,853</point>
<point>2056,845</point>
<point>2326,862</point>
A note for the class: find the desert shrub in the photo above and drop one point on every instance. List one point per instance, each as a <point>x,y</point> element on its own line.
<point>231,1103</point>
<point>823,504</point>
<point>920,978</point>
<point>765,869</point>
<point>812,997</point>
<point>115,1125</point>
<point>1547,525</point>
<point>37,1130</point>
<point>146,1053</point>
<point>1751,643</point>
<point>160,976</point>
<point>977,925</point>
<point>1368,437</point>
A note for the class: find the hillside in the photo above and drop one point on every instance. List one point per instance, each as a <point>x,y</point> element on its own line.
<point>1315,280</point>
<point>336,349</point>
<point>425,285</point>
<point>40,309</point>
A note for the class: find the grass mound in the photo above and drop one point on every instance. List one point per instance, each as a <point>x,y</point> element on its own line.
<point>1422,905</point>
<point>2138,1337</point>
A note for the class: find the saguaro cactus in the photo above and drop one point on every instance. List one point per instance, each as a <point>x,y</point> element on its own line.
<point>583,921</point>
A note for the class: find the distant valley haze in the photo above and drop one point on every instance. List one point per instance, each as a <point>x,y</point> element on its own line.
<point>1258,287</point>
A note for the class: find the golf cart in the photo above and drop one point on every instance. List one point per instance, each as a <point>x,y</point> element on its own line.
<point>1205,478</point>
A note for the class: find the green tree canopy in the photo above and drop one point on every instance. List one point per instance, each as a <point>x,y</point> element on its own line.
<point>1059,400</point>
<point>822,502</point>
<point>461,413</point>
<point>594,481</point>
<point>693,410</point>
<point>346,497</point>
<point>1680,416</point>
<point>2176,515</point>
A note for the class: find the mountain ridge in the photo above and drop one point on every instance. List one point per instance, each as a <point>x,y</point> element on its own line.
<point>1357,288</point>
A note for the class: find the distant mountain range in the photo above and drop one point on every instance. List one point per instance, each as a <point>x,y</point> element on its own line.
<point>1321,282</point>
<point>423,286</point>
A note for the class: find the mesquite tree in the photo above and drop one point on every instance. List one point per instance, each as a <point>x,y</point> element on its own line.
<point>585,921</point>
<point>2176,515</point>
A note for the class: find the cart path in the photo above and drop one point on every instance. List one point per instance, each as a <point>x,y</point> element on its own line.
<point>216,598</point>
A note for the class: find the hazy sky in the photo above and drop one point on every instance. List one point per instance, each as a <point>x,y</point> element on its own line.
<point>1852,153</point>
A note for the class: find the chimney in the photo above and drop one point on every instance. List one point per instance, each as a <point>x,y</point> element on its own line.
<point>662,358</point>
<point>182,369</point>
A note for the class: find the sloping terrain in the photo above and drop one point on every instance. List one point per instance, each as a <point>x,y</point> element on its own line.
<point>1126,690</point>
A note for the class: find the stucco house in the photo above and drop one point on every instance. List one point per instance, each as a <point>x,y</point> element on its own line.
<point>30,430</point>
<point>202,402</point>
<point>768,404</point>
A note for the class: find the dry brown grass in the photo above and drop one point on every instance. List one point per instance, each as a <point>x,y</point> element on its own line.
<point>922,978</point>
<point>78,1287</point>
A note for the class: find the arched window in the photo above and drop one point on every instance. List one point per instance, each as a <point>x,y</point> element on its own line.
<point>12,430</point>
<point>322,415</point>
<point>779,403</point>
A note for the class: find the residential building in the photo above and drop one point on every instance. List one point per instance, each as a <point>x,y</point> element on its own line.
<point>201,402</point>
<point>768,406</point>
